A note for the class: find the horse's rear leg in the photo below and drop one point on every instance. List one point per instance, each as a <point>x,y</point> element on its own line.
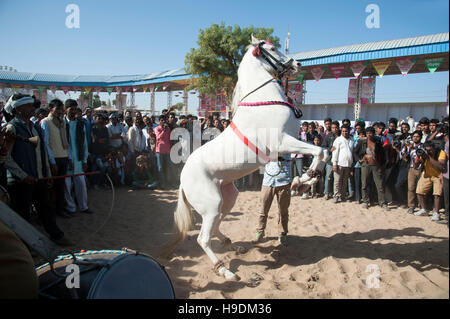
<point>229,194</point>
<point>204,240</point>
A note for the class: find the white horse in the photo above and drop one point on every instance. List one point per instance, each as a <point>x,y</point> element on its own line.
<point>206,181</point>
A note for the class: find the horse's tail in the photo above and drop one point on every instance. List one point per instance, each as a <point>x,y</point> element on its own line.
<point>182,221</point>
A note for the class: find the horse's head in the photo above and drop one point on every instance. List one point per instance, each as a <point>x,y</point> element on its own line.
<point>273,60</point>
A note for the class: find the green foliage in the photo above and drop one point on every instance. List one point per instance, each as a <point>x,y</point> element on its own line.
<point>216,61</point>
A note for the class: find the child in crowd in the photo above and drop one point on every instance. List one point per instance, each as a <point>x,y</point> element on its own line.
<point>142,178</point>
<point>318,188</point>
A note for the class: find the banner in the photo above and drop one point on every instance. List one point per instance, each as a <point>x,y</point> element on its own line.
<point>41,95</point>
<point>358,67</point>
<point>65,89</point>
<point>317,72</point>
<point>381,67</point>
<point>337,70</point>
<point>16,86</point>
<point>301,76</point>
<point>368,89</point>
<point>433,63</point>
<point>352,91</point>
<point>405,64</point>
<point>295,93</point>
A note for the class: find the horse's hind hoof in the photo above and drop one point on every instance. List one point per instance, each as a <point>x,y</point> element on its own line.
<point>223,271</point>
<point>226,242</point>
<point>239,250</point>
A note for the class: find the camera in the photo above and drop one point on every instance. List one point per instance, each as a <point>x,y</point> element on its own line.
<point>421,152</point>
<point>397,143</point>
<point>442,128</point>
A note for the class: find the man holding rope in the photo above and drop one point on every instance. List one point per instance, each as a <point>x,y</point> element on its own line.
<point>26,163</point>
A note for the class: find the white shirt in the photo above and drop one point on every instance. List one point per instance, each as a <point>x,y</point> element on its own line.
<point>343,153</point>
<point>115,129</point>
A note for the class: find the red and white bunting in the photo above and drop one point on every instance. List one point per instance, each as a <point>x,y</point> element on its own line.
<point>337,70</point>
<point>358,67</point>
<point>317,72</point>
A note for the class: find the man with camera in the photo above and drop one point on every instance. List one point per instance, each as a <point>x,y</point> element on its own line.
<point>434,164</point>
<point>399,144</point>
<point>408,154</point>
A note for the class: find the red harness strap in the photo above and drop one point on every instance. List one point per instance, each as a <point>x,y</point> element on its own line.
<point>249,144</point>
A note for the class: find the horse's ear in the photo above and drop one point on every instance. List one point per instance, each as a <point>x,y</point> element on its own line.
<point>255,41</point>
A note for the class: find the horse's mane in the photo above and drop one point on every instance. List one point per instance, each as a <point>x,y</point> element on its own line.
<point>237,93</point>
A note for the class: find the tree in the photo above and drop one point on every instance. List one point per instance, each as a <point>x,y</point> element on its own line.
<point>96,102</point>
<point>216,61</point>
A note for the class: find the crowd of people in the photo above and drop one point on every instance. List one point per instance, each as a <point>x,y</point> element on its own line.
<point>50,157</point>
<point>397,165</point>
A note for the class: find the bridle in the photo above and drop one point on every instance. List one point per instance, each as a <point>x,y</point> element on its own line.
<point>280,68</point>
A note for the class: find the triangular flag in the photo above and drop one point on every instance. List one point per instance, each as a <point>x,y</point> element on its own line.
<point>405,64</point>
<point>135,88</point>
<point>165,86</point>
<point>144,88</point>
<point>109,90</point>
<point>126,89</point>
<point>157,87</point>
<point>87,89</point>
<point>16,86</point>
<point>358,67</point>
<point>152,88</point>
<point>317,72</point>
<point>433,63</point>
<point>337,70</point>
<point>41,89</point>
<point>301,76</point>
<point>53,89</point>
<point>381,67</point>
<point>65,89</point>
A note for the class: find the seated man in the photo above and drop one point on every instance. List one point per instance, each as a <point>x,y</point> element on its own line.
<point>434,164</point>
<point>142,178</point>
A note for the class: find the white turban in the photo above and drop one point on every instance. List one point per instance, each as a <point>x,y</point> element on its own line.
<point>10,105</point>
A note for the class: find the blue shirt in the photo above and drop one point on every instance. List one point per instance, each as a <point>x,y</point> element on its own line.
<point>277,174</point>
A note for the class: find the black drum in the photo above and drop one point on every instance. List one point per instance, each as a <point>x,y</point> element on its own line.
<point>105,274</point>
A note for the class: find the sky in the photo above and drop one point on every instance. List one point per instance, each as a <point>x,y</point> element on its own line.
<point>141,37</point>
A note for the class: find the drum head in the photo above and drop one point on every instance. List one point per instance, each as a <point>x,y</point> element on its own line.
<point>131,276</point>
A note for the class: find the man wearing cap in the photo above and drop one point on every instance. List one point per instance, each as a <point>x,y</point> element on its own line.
<point>115,130</point>
<point>26,163</point>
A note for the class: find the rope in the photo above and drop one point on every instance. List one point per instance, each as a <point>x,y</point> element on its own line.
<point>64,176</point>
<point>110,211</point>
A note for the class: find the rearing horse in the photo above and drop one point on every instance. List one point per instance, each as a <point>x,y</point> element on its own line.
<point>206,181</point>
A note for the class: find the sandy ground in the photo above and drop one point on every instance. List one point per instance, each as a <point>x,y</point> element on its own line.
<point>331,248</point>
